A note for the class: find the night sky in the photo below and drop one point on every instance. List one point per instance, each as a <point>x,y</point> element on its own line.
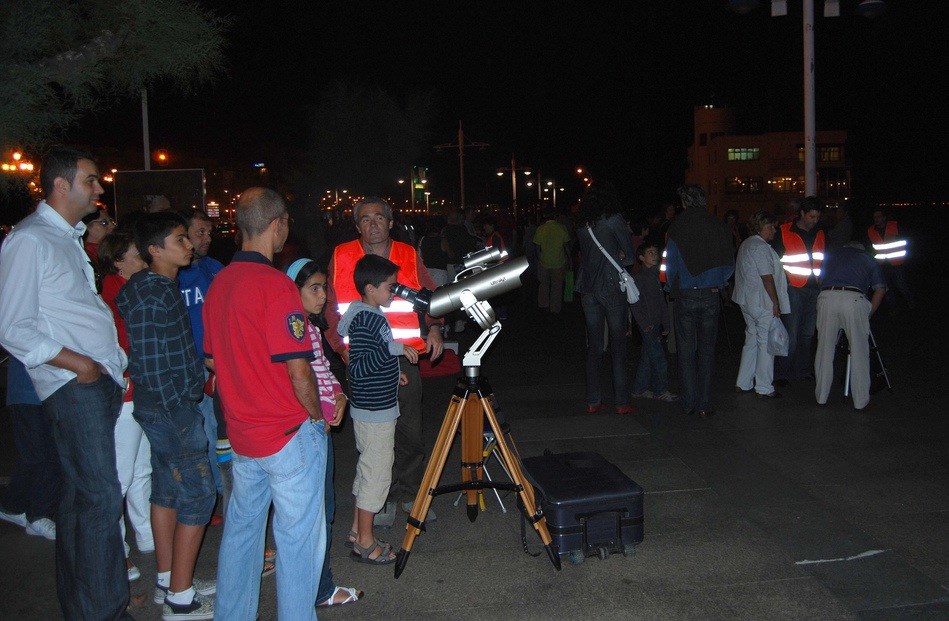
<point>609,86</point>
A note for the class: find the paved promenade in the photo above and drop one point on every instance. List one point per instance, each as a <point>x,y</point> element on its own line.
<point>773,509</point>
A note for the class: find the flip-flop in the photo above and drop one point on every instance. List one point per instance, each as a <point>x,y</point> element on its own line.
<point>352,595</point>
<point>361,554</point>
<point>350,538</point>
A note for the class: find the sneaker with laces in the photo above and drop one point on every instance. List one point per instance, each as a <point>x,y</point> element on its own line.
<point>646,394</point>
<point>386,517</point>
<point>43,527</point>
<point>14,518</point>
<point>200,608</point>
<point>667,396</point>
<point>408,505</point>
<point>201,587</point>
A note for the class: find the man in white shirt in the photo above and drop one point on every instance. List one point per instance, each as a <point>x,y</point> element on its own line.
<point>52,319</point>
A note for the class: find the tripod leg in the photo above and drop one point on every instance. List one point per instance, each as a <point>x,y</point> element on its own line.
<point>433,472</point>
<point>513,464</point>
<point>876,350</point>
<point>472,451</point>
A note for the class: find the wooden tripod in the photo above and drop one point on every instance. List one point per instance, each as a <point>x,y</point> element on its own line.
<point>469,407</point>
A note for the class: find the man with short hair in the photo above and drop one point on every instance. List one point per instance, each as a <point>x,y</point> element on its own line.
<point>800,244</point>
<point>373,218</point>
<point>552,239</point>
<point>700,259</point>
<point>256,343</point>
<point>890,251</point>
<point>843,305</point>
<point>194,282</point>
<point>52,319</point>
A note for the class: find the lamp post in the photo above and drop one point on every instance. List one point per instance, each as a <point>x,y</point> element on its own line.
<point>427,195</point>
<point>779,8</point>
<point>513,169</point>
<point>552,185</point>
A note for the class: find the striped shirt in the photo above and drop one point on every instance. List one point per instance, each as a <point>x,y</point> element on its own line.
<point>373,363</point>
<point>325,380</point>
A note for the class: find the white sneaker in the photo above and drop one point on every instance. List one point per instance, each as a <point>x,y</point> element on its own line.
<point>667,396</point>
<point>201,587</point>
<point>646,394</point>
<point>14,518</point>
<point>134,573</point>
<point>200,608</point>
<point>43,527</point>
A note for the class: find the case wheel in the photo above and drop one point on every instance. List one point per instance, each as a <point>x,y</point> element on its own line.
<point>602,553</point>
<point>629,550</point>
<point>575,557</point>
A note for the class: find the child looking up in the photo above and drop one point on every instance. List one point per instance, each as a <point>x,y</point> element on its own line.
<point>374,382</point>
<point>652,377</point>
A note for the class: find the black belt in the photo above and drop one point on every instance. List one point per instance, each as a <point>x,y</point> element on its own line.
<point>854,289</point>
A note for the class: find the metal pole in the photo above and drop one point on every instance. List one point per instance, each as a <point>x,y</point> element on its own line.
<point>145,146</point>
<point>411,189</point>
<point>513,187</point>
<point>810,131</point>
<point>461,162</point>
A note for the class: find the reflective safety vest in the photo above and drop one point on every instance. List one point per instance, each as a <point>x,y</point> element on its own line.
<point>402,318</point>
<point>891,248</point>
<point>799,264</point>
<point>663,268</point>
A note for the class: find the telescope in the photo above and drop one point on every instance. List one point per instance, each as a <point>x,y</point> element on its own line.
<point>485,284</point>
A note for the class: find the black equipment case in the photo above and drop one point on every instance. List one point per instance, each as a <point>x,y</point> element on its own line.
<point>591,507</point>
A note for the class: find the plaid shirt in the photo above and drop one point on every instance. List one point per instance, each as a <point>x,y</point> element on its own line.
<point>163,362</point>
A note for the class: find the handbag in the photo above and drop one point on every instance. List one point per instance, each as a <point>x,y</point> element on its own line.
<point>626,283</point>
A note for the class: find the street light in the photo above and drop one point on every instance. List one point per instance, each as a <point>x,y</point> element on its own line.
<point>553,185</point>
<point>513,169</point>
<point>427,194</point>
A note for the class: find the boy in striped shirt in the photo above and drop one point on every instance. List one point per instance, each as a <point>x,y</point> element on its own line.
<point>374,380</point>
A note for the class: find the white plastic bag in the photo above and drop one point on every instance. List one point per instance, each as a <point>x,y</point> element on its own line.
<point>628,286</point>
<point>777,338</point>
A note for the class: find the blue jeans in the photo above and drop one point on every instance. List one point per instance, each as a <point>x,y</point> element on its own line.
<point>653,371</point>
<point>91,580</point>
<point>293,479</point>
<point>327,586</point>
<point>37,478</point>
<point>800,323</point>
<point>181,475</point>
<point>611,309</point>
<point>206,405</point>
<point>696,325</point>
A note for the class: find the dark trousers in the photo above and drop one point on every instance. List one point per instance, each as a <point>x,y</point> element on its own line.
<point>327,586</point>
<point>35,485</point>
<point>612,309</point>
<point>801,324</point>
<point>91,579</point>
<point>696,328</point>
<point>409,464</point>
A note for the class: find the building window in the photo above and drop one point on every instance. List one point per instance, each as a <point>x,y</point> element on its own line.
<point>743,154</point>
<point>743,185</point>
<point>824,154</point>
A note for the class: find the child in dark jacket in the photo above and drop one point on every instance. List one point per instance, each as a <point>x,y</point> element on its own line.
<point>374,380</point>
<point>652,377</point>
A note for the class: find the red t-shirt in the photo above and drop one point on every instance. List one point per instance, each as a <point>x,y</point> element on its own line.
<point>111,285</point>
<point>253,323</point>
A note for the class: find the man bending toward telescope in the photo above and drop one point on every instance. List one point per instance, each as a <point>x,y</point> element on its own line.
<point>373,218</point>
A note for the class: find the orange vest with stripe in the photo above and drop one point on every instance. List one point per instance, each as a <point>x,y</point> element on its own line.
<point>890,248</point>
<point>799,264</point>
<point>403,320</point>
